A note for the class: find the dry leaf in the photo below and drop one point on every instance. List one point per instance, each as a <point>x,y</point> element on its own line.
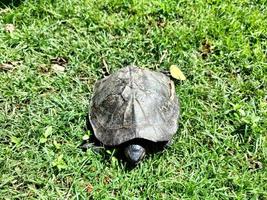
<point>59,61</point>
<point>9,65</point>
<point>4,10</point>
<point>105,68</point>
<point>15,63</point>
<point>176,73</point>
<point>6,67</point>
<point>163,56</point>
<point>10,28</point>
<point>58,64</point>
<point>57,68</point>
<point>89,188</point>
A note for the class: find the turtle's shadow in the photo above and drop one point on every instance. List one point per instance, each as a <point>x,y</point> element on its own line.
<point>96,145</point>
<point>99,148</point>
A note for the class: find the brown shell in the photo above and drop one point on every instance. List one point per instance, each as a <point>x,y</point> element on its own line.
<point>134,103</point>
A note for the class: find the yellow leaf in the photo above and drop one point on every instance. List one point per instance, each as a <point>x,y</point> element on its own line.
<point>176,73</point>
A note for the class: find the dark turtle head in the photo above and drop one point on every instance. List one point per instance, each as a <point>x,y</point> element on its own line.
<point>134,153</point>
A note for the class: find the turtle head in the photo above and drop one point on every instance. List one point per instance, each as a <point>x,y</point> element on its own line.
<point>134,153</point>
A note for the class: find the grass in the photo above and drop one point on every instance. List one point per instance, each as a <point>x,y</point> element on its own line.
<point>220,149</point>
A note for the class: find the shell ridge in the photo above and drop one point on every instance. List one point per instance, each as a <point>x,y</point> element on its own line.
<point>155,77</point>
<point>132,101</point>
<point>145,92</point>
<point>146,118</point>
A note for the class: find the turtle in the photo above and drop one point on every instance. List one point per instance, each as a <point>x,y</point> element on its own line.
<point>133,109</point>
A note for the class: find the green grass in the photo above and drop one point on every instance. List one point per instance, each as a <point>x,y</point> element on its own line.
<point>220,150</point>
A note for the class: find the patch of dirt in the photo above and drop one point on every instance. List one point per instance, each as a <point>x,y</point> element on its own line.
<point>206,49</point>
<point>253,163</point>
<point>58,65</point>
<point>107,180</point>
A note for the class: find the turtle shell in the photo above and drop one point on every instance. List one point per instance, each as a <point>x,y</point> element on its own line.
<point>134,103</point>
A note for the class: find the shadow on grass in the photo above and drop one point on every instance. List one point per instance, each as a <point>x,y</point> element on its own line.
<point>243,131</point>
<point>10,3</point>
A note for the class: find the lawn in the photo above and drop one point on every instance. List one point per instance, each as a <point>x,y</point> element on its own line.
<point>52,52</point>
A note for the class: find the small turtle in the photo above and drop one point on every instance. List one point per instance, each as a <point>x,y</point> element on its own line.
<point>133,109</point>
